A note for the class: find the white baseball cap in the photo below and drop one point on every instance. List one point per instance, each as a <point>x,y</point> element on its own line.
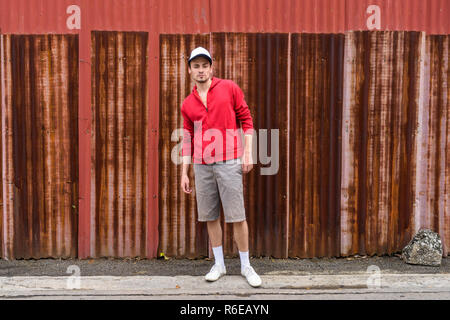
<point>200,52</point>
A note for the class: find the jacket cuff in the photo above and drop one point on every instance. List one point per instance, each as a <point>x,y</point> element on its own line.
<point>248,131</point>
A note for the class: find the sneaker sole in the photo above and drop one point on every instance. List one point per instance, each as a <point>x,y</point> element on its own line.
<point>212,280</point>
<point>254,286</point>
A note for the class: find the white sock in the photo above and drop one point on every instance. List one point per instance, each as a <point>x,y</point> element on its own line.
<point>218,255</point>
<point>244,259</point>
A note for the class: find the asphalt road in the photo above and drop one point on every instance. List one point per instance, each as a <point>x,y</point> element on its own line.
<point>199,267</point>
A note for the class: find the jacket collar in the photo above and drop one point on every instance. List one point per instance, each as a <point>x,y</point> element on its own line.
<point>214,82</point>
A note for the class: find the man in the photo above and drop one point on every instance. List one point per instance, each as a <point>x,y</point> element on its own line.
<point>211,114</point>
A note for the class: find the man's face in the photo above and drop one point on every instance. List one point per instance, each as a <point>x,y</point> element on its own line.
<point>200,70</point>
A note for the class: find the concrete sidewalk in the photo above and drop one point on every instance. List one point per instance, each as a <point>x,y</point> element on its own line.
<point>328,278</point>
<point>435,286</point>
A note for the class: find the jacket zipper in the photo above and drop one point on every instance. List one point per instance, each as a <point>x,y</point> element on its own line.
<point>198,97</point>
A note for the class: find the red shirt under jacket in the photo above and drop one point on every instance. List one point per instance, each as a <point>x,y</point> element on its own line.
<point>217,128</point>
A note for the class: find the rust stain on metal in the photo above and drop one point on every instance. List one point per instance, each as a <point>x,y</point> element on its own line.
<point>119,144</point>
<point>180,234</point>
<point>381,105</point>
<point>315,134</point>
<point>39,114</point>
<point>433,184</point>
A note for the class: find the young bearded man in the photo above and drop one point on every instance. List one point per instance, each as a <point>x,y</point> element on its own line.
<point>211,114</point>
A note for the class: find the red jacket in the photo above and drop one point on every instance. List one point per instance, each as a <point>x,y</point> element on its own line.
<point>214,132</point>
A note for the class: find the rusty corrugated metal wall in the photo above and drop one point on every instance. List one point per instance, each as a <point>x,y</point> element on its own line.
<point>39,141</point>
<point>119,144</point>
<point>415,191</point>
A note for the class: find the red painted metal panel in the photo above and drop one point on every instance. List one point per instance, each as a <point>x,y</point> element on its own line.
<point>199,16</point>
<point>278,16</point>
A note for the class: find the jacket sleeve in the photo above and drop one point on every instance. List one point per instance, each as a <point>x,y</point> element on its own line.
<point>242,110</point>
<point>188,135</point>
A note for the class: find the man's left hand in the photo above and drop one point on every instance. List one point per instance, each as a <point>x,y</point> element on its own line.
<point>247,163</point>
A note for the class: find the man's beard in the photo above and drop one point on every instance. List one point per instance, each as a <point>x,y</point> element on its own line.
<point>202,81</point>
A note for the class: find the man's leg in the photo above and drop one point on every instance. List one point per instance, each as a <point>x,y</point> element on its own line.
<point>215,236</point>
<point>208,206</point>
<point>240,232</point>
<point>229,181</point>
<point>214,232</point>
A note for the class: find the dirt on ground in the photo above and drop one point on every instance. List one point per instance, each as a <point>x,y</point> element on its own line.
<point>196,267</point>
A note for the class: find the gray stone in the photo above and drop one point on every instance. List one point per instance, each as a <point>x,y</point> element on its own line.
<point>425,248</point>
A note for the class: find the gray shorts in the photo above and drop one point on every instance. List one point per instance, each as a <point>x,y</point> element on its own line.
<point>219,181</point>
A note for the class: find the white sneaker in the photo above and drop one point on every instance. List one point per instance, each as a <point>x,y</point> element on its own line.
<point>252,277</point>
<point>215,273</point>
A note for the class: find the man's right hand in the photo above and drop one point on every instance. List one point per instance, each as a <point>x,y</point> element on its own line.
<point>185,184</point>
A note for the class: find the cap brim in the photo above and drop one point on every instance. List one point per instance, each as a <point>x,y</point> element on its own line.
<point>200,55</point>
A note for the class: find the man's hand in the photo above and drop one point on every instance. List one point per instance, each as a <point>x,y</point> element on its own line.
<point>247,159</point>
<point>185,184</point>
<point>184,175</point>
<point>247,162</point>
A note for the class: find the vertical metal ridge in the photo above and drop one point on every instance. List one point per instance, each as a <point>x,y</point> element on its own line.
<point>288,132</point>
<point>2,105</point>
